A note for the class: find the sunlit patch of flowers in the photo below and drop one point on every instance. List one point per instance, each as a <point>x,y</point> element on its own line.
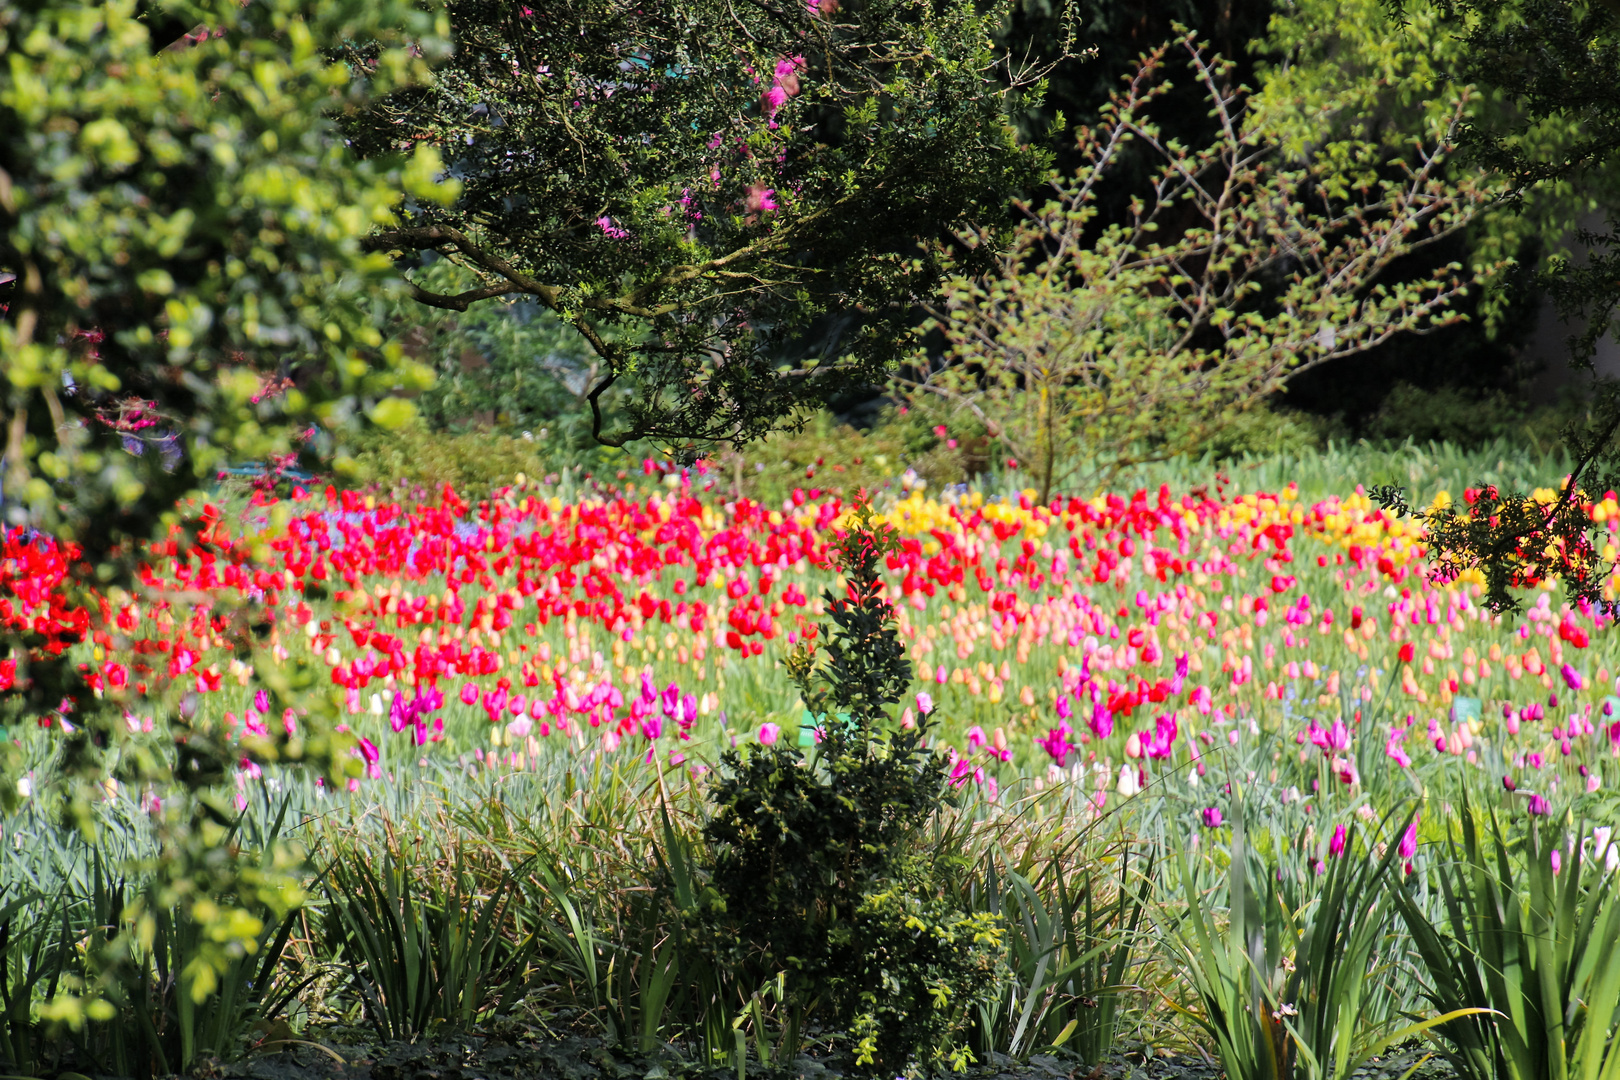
<point>1113,642</point>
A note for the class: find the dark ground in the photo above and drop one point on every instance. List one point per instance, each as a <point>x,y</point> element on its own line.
<point>525,1056</point>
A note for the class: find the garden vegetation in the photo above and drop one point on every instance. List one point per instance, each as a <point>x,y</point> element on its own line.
<point>357,684</point>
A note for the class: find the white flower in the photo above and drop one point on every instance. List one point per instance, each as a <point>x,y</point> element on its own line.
<point>1127,781</point>
<point>25,787</point>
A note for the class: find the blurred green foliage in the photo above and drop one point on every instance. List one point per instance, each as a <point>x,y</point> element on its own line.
<point>513,366</point>
<point>185,286</point>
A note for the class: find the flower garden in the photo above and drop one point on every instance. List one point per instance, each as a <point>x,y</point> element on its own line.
<point>1113,643</point>
<point>1143,705</point>
<point>890,680</point>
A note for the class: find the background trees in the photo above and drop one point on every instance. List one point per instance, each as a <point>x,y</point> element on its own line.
<point>737,191</point>
<point>1099,343</point>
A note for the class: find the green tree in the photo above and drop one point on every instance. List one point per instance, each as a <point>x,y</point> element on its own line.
<point>820,883</point>
<point>510,362</point>
<point>1099,344</point>
<point>737,191</point>
<point>1339,69</point>
<point>1554,65</point>
<point>184,284</point>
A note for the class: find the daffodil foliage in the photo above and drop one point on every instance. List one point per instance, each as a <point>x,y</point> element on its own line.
<point>1101,344</point>
<point>725,200</point>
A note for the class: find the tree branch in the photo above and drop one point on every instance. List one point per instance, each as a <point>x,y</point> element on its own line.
<point>458,302</point>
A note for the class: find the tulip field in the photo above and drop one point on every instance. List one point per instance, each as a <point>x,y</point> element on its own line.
<point>1203,674</point>
<point>1110,642</point>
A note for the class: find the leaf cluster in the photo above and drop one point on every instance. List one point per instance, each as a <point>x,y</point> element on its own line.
<point>816,872</point>
<point>182,286</point>
<point>1518,540</point>
<point>1522,938</point>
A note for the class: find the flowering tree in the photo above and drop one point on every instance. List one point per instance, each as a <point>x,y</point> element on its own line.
<point>1095,346</point>
<point>724,200</point>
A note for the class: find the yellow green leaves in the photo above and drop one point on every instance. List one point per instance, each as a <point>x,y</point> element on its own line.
<point>424,176</point>
<point>392,413</point>
<point>109,142</point>
<point>185,224</point>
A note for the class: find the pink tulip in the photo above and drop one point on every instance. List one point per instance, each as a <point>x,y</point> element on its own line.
<point>1408,846</point>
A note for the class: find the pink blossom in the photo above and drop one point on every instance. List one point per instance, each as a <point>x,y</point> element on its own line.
<point>1336,845</point>
<point>1212,817</point>
<point>1102,721</point>
<point>1056,743</point>
<point>768,733</point>
<point>1408,846</point>
<point>760,200</point>
<point>1164,735</point>
<point>925,703</point>
<point>1394,750</point>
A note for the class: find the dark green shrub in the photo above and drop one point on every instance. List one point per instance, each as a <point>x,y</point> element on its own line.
<point>827,455</point>
<point>821,888</point>
<point>1265,430</point>
<point>1465,417</point>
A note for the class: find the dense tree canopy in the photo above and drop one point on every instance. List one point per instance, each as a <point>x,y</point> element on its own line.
<point>725,200</point>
